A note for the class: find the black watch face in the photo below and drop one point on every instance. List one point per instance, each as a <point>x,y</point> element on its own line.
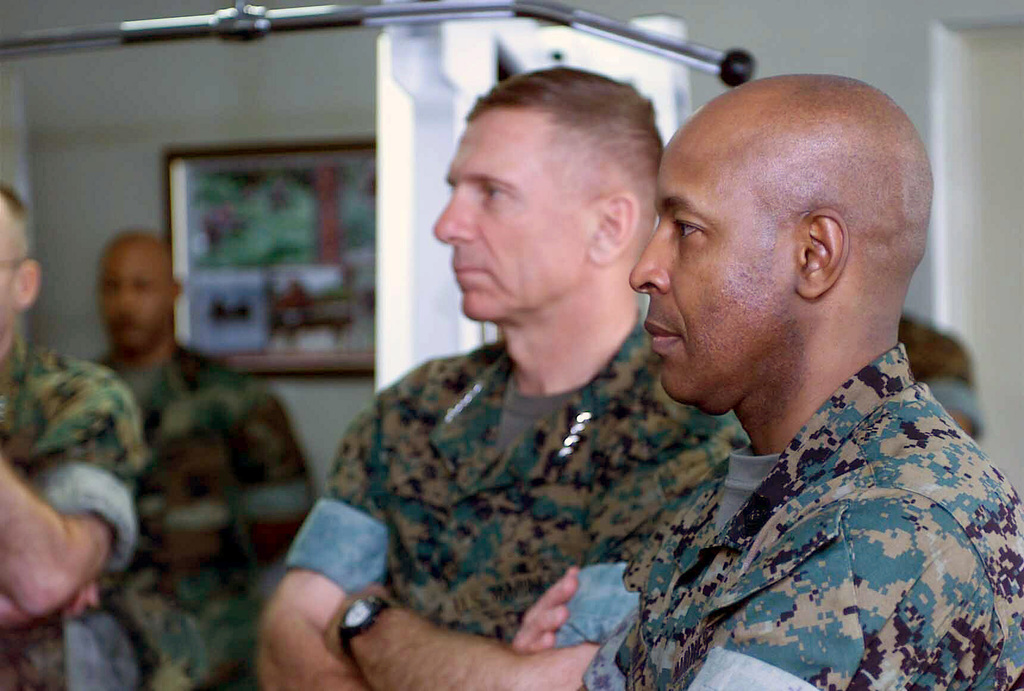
<point>359,612</point>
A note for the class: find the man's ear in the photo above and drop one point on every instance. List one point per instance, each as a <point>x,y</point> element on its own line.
<point>26,284</point>
<point>823,246</point>
<point>616,219</point>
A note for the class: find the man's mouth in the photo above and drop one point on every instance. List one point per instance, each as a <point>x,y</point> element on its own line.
<point>662,339</point>
<point>656,330</point>
<point>123,326</point>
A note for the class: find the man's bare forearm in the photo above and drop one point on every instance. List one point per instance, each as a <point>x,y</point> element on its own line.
<point>404,652</point>
<point>292,651</point>
<point>45,558</point>
<point>292,656</point>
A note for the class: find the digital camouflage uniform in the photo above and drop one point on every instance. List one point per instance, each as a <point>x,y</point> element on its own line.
<point>882,551</point>
<point>224,494</point>
<point>54,411</point>
<point>478,533</point>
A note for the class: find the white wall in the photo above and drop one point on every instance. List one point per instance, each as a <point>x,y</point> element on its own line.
<point>99,120</point>
<point>983,210</point>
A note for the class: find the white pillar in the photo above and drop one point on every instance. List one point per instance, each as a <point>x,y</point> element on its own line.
<point>428,78</point>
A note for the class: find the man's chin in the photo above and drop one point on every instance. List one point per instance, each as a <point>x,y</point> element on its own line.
<point>480,310</point>
<point>132,345</point>
<point>688,393</point>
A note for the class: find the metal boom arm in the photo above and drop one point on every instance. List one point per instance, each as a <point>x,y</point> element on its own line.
<point>245,22</point>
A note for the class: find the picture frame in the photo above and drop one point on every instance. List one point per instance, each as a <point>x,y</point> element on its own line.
<point>275,248</point>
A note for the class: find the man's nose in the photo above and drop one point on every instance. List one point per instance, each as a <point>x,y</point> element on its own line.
<point>455,222</point>
<point>120,300</point>
<point>650,274</point>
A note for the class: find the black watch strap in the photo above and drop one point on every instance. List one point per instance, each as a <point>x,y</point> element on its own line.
<point>359,617</point>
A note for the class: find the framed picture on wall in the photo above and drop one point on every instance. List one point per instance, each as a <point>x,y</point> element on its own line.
<point>275,247</point>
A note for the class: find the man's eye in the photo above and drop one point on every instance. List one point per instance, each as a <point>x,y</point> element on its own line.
<point>684,228</point>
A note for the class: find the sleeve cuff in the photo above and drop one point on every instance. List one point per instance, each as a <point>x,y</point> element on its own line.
<point>727,670</point>
<point>598,607</point>
<point>603,673</point>
<point>346,545</point>
<point>77,488</point>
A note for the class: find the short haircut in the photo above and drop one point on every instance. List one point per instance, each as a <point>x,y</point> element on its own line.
<point>138,234</point>
<point>19,214</point>
<point>612,118</point>
<point>13,201</point>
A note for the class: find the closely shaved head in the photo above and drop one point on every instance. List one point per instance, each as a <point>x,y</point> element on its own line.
<point>19,275</point>
<point>137,291</point>
<point>155,250</point>
<point>793,213</point>
<point>13,215</point>
<point>815,141</point>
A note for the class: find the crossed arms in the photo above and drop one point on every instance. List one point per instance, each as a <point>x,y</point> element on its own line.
<point>402,652</point>
<point>49,562</point>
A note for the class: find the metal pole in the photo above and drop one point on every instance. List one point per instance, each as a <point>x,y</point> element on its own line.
<point>247,22</point>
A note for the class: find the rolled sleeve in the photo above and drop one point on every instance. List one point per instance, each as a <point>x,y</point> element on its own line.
<point>344,544</point>
<point>599,605</point>
<point>78,488</point>
<point>727,670</point>
<point>603,673</point>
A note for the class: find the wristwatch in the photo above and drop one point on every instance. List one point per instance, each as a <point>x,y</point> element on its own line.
<point>359,617</point>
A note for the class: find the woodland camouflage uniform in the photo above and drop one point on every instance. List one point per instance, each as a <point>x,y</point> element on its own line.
<point>56,410</point>
<point>220,441</point>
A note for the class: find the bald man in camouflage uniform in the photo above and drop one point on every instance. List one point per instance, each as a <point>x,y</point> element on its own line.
<point>71,454</point>
<point>227,486</point>
<point>474,482</point>
<point>878,548</point>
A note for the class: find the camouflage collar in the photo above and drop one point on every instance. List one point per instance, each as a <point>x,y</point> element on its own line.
<point>478,407</point>
<point>493,380</point>
<point>807,461</point>
<point>178,374</point>
<point>188,365</point>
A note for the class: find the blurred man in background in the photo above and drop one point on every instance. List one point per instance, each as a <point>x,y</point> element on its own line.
<point>227,487</point>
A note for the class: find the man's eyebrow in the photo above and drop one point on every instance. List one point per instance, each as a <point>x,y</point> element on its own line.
<point>478,179</point>
<point>670,203</point>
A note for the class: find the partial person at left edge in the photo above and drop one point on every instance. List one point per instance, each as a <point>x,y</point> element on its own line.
<point>70,453</point>
<point>227,488</point>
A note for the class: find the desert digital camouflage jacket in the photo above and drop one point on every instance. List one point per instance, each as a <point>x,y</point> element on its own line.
<point>56,410</point>
<point>883,551</point>
<point>478,533</point>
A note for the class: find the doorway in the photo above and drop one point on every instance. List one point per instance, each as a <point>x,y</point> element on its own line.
<point>978,151</point>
